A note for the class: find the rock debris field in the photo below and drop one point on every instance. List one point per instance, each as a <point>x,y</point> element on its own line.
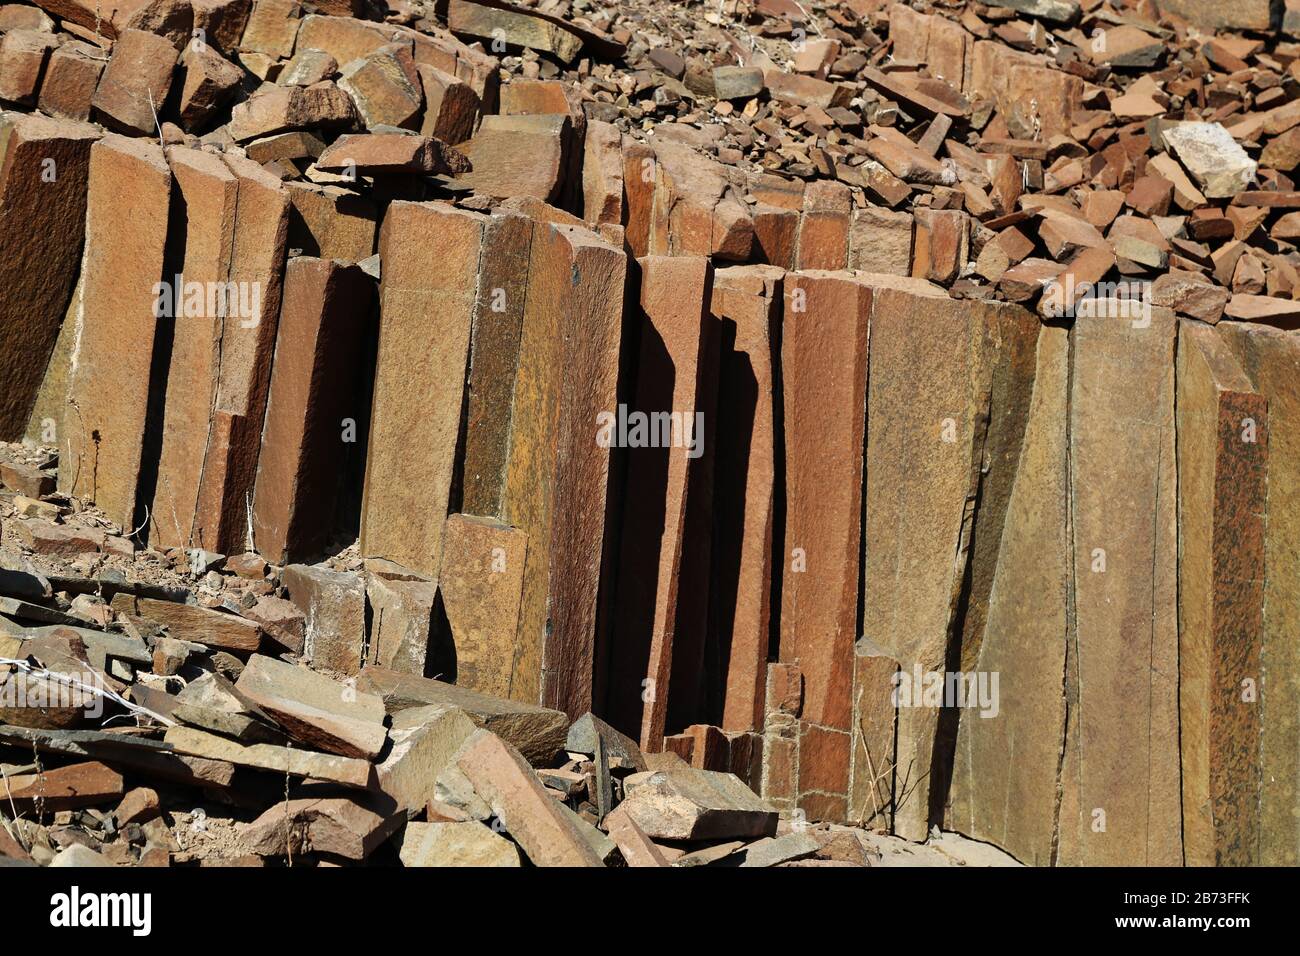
<point>585,433</point>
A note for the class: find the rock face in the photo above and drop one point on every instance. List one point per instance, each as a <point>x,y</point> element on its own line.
<point>1270,358</point>
<point>1222,473</point>
<point>1120,786</point>
<point>44,168</point>
<point>126,229</point>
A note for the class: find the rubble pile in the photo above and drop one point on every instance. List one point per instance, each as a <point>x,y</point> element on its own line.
<point>590,433</point>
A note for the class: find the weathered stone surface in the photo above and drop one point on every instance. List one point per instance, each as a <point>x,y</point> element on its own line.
<point>1005,768</point>
<point>1247,15</point>
<point>1120,766</point>
<point>1222,475</point>
<point>315,709</point>
<point>1271,359</point>
<point>693,209</point>
<point>456,844</point>
<point>126,225</point>
<point>384,86</point>
<point>666,500</point>
<point>515,26</point>
<point>135,83</point>
<point>690,804</point>
<point>347,827</point>
<point>289,761</point>
<point>334,604</point>
<point>556,481</point>
<point>315,388</point>
<point>193,320</point>
<point>190,622</point>
<point>748,298</point>
<point>494,358</point>
<point>210,82</point>
<point>824,226</point>
<point>278,109</point>
<point>272,27</point>
<point>282,621</point>
<point>23,55</point>
<point>451,107</point>
<point>392,153</point>
<point>589,732</point>
<point>536,732</point>
<point>71,78</point>
<point>481,583</point>
<point>401,617</point>
<point>520,155</point>
<point>1212,156</point>
<point>949,394</point>
<point>308,67</point>
<point>410,463</point>
<point>823,354</point>
<point>545,829</point>
<point>331,223</point>
<point>871,772</point>
<point>880,241</point>
<point>64,788</point>
<point>42,223</point>
<point>602,174</point>
<point>424,741</point>
<point>637,848</point>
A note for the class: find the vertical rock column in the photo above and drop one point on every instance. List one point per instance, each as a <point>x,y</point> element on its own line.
<point>1271,359</point>
<point>126,231</point>
<point>1120,788</point>
<point>44,168</point>
<point>1222,491</point>
<point>676,368</point>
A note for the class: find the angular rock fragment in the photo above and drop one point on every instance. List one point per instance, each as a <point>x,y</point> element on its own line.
<point>346,827</point>
<point>545,829</point>
<point>536,732</point>
<point>392,153</point>
<point>314,708</point>
<point>1212,156</point>
<point>514,26</point>
<point>384,86</point>
<point>287,761</point>
<point>456,844</point>
<point>135,83</point>
<point>193,623</point>
<point>689,804</point>
<point>288,108</point>
<point>334,605</point>
<point>520,155</point>
<point>23,55</point>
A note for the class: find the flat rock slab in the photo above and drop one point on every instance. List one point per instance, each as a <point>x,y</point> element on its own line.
<point>536,732</point>
<point>456,844</point>
<point>547,830</point>
<point>64,788</point>
<point>193,623</point>
<point>284,760</point>
<point>689,804</point>
<point>315,709</point>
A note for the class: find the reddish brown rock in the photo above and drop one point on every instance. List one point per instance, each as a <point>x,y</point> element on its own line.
<point>271,28</point>
<point>287,108</point>
<point>333,604</point>
<point>520,155</point>
<point>1222,473</point>
<point>392,153</point>
<point>602,174</point>
<point>451,107</point>
<point>315,390</point>
<point>481,582</point>
<point>384,86</point>
<point>71,77</point>
<point>126,225</point>
<point>135,83</point>
<point>210,82</point>
<point>331,223</point>
<point>23,55</point>
<point>44,167</point>
<point>410,463</point>
<point>1120,788</point>
<point>824,227</point>
<point>749,298</point>
<point>658,594</point>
